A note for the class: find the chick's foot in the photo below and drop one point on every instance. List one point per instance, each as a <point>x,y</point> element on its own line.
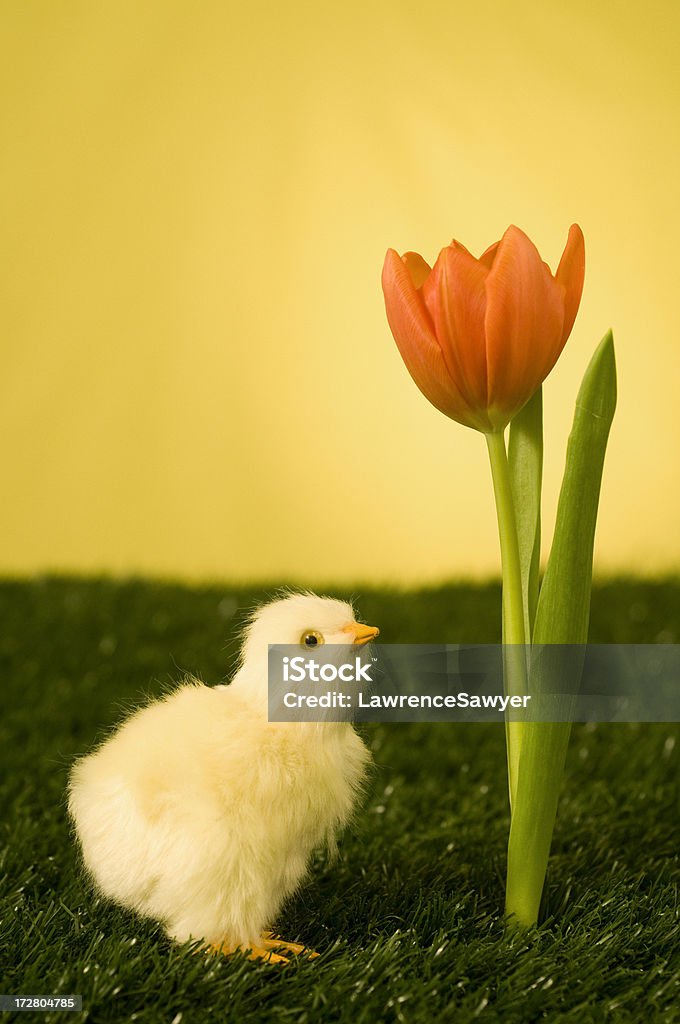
<point>263,952</point>
<point>272,941</point>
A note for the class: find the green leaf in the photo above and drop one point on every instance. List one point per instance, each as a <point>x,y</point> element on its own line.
<point>563,609</point>
<point>562,617</point>
<point>525,457</point>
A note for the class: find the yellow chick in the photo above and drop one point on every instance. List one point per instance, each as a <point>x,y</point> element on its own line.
<point>200,813</point>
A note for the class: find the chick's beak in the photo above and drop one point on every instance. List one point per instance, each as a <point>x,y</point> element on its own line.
<point>360,633</point>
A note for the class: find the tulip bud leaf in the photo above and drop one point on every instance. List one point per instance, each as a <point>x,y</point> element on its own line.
<point>525,458</point>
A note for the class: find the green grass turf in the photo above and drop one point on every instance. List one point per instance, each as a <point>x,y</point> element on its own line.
<point>408,920</point>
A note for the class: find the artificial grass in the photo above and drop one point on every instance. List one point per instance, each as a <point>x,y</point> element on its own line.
<point>409,918</point>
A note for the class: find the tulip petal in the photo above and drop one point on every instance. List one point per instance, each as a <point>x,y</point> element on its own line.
<point>489,255</point>
<point>455,297</point>
<point>459,245</point>
<point>524,320</point>
<point>414,334</point>
<point>570,274</point>
<point>417,268</point>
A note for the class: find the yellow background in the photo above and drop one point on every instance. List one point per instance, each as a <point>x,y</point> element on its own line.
<point>197,376</point>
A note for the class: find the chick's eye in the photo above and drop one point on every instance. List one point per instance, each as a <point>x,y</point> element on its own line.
<point>311,638</point>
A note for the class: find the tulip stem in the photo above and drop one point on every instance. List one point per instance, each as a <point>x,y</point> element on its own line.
<point>514,654</point>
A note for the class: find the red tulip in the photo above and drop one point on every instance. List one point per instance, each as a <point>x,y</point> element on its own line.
<point>479,336</point>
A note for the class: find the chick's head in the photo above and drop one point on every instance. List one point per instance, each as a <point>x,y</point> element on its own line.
<point>305,620</point>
